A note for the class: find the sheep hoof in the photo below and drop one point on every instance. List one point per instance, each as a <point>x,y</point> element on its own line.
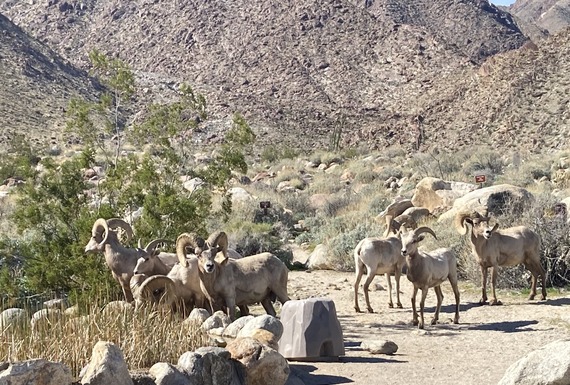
<point>456,320</point>
<point>482,301</point>
<point>357,310</point>
<point>543,298</point>
<point>495,302</point>
<point>434,321</point>
<point>415,322</point>
<point>420,326</point>
<point>370,310</point>
<point>531,297</point>
<point>400,306</point>
<point>391,305</point>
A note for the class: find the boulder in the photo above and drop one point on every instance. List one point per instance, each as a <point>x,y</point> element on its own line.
<point>435,193</point>
<point>263,364</point>
<point>37,371</point>
<point>319,259</point>
<point>233,329</point>
<point>240,195</point>
<point>311,330</point>
<point>168,374</point>
<point>13,317</point>
<point>549,365</point>
<point>379,346</point>
<point>493,200</point>
<point>265,322</point>
<point>217,320</point>
<point>107,366</point>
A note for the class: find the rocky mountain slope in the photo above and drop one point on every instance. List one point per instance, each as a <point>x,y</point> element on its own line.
<point>382,71</point>
<point>36,85</point>
<point>551,15</point>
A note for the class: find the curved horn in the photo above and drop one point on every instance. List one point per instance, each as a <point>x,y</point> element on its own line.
<point>459,222</point>
<point>118,222</point>
<point>158,288</point>
<point>405,221</point>
<point>187,239</point>
<point>152,245</point>
<point>219,238</point>
<point>424,229</point>
<point>140,246</point>
<point>100,224</point>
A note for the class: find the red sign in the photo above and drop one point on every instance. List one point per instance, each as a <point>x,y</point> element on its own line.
<point>479,178</point>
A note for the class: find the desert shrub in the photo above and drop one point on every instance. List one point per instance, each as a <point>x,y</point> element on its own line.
<point>366,176</point>
<point>441,165</point>
<point>482,161</point>
<point>273,153</point>
<point>342,245</point>
<point>389,171</point>
<point>325,157</point>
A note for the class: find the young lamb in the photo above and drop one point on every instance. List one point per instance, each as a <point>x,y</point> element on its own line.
<point>120,259</point>
<point>504,247</point>
<point>378,256</point>
<point>230,283</point>
<point>427,270</point>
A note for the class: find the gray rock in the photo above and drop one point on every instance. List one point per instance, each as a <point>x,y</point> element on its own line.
<point>232,330</point>
<point>549,365</point>
<point>13,317</point>
<point>107,366</point>
<point>311,330</point>
<point>199,315</point>
<point>263,364</point>
<point>36,371</point>
<point>217,320</point>
<point>168,374</point>
<point>192,365</point>
<point>266,322</point>
<point>379,347</point>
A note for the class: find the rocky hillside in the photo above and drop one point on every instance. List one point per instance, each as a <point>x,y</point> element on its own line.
<point>36,85</point>
<point>551,15</point>
<point>382,71</point>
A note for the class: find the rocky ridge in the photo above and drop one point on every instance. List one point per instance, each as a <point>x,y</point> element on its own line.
<point>383,72</point>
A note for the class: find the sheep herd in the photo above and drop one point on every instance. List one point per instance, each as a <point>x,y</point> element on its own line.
<point>216,277</point>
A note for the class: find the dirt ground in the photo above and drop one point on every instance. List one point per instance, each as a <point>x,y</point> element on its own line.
<point>478,350</point>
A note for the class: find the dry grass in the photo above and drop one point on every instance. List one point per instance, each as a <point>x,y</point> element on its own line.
<point>145,337</point>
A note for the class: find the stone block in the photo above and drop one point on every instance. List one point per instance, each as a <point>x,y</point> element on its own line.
<point>311,330</point>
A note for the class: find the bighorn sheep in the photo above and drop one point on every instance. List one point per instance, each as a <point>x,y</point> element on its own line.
<point>120,259</point>
<point>427,270</point>
<point>154,263</point>
<point>504,247</point>
<point>380,256</point>
<point>393,210</point>
<point>239,282</point>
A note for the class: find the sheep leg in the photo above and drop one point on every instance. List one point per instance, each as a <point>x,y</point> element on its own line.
<point>359,273</point>
<point>439,295</point>
<point>231,307</point>
<point>484,272</point>
<point>453,281</point>
<point>414,312</point>
<point>494,273</point>
<point>127,292</point>
<point>533,280</point>
<point>397,274</point>
<point>369,277</point>
<point>422,303</point>
<point>389,281</point>
<point>266,302</point>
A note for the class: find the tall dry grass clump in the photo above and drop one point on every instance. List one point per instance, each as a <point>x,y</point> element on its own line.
<point>145,336</point>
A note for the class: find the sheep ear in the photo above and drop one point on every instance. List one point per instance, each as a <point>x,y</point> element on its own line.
<point>495,227</point>
<point>224,262</point>
<point>421,238</point>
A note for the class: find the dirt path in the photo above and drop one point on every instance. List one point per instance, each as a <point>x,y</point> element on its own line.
<point>477,351</point>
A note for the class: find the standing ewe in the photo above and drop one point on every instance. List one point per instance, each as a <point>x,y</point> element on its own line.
<point>378,256</point>
<point>505,247</point>
<point>241,282</point>
<point>427,270</point>
<point>120,259</point>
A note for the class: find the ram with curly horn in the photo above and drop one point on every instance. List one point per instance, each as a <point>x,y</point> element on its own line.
<point>429,269</point>
<point>120,259</point>
<point>241,282</point>
<point>494,247</point>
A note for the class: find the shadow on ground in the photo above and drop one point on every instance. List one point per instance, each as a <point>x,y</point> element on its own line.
<point>506,327</point>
